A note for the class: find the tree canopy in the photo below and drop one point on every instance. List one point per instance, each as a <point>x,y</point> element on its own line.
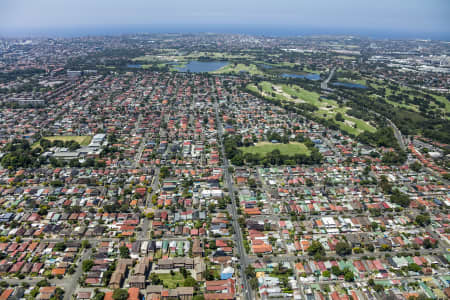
<point>342,248</point>
<point>120,294</point>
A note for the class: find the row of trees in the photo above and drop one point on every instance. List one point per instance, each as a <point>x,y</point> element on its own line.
<point>46,144</point>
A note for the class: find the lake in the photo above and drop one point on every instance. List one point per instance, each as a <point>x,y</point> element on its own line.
<point>310,76</point>
<point>350,85</point>
<point>195,66</point>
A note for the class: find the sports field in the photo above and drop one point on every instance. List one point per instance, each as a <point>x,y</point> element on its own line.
<point>290,149</point>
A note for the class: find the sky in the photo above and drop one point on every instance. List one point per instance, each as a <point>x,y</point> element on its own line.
<point>344,16</point>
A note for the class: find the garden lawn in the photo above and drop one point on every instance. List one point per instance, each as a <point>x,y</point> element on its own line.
<point>171,281</point>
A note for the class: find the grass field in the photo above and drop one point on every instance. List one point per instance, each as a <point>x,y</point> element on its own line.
<point>410,92</point>
<point>307,96</point>
<point>346,57</point>
<point>267,91</point>
<point>444,100</point>
<point>326,108</point>
<point>171,281</point>
<point>354,81</point>
<point>308,70</point>
<point>276,65</point>
<point>83,140</point>
<point>267,87</point>
<point>175,56</point>
<point>237,68</point>
<point>263,148</point>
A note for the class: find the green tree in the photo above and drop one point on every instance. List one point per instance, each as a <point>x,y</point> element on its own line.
<point>342,248</point>
<point>59,294</point>
<point>400,198</point>
<point>254,282</point>
<point>87,265</point>
<point>374,226</point>
<point>414,267</point>
<point>85,244</point>
<point>336,271</point>
<point>316,248</point>
<point>99,296</point>
<point>394,158</point>
<point>349,276</point>
<point>378,288</point>
<point>154,278</point>
<point>183,272</point>
<point>427,244</point>
<point>415,166</point>
<point>61,246</point>
<point>423,220</point>
<point>190,282</point>
<point>250,272</point>
<point>164,172</point>
<point>339,117</point>
<point>43,282</point>
<point>124,252</point>
<point>120,294</point>
<point>370,247</point>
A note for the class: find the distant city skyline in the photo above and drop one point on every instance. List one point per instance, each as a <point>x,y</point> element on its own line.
<point>413,18</point>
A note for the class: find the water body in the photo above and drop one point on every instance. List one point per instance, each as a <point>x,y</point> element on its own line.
<point>267,66</point>
<point>195,66</point>
<point>310,76</point>
<point>134,66</point>
<point>350,85</point>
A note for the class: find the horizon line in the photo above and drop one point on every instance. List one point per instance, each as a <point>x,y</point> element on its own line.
<point>279,30</point>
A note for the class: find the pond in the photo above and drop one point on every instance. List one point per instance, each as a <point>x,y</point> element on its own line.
<point>310,76</point>
<point>195,66</point>
<point>350,85</point>
<point>265,66</point>
<point>134,66</point>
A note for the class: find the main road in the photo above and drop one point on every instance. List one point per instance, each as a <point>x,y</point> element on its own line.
<point>237,229</point>
<point>324,84</point>
<point>72,284</point>
<point>397,133</point>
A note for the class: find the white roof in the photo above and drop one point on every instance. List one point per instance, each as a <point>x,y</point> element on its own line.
<point>328,221</point>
